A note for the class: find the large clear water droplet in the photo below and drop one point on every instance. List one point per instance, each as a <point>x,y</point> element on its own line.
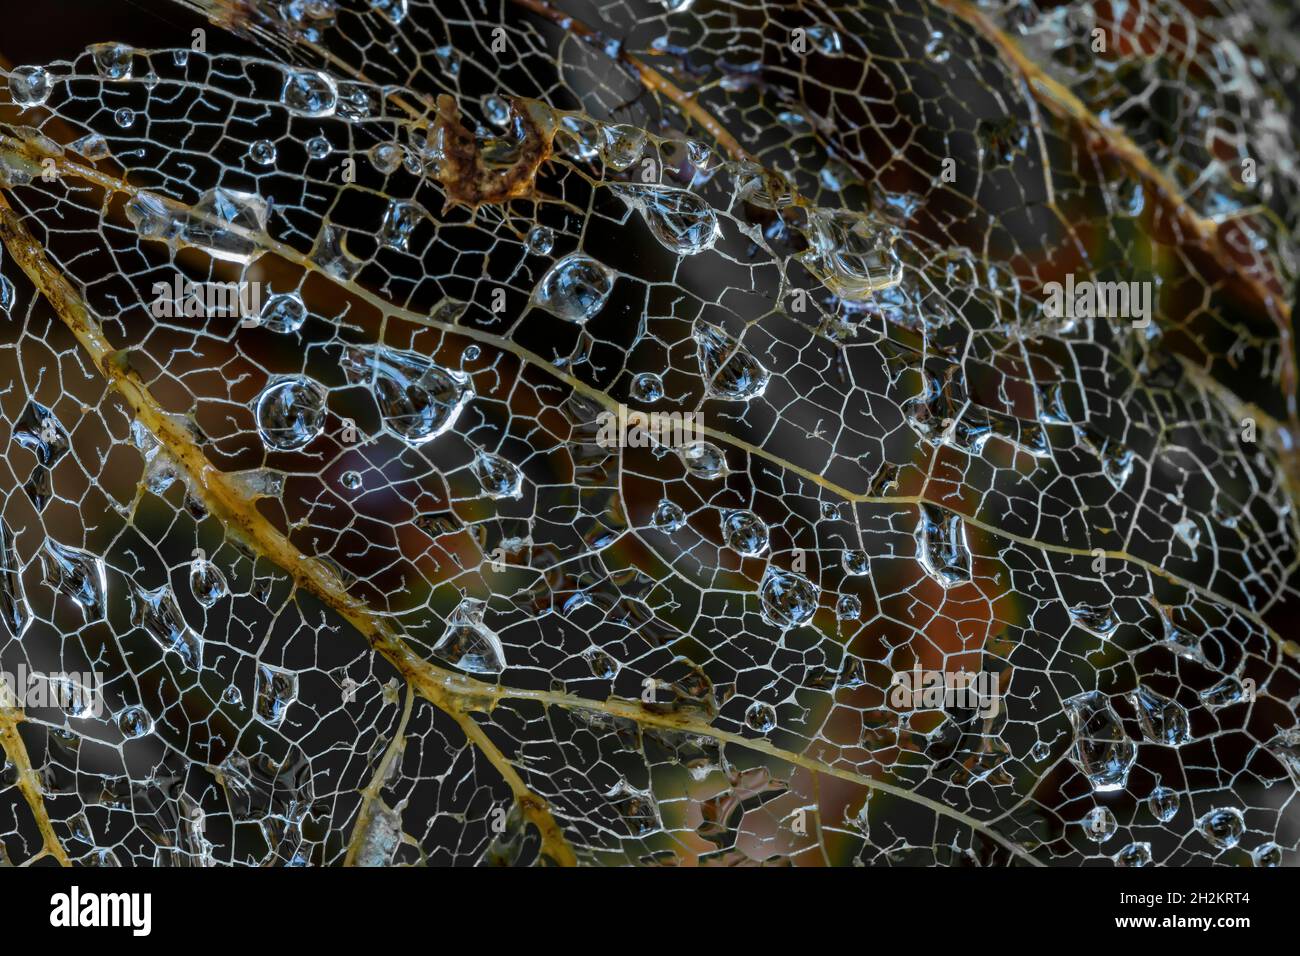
<point>760,717</point>
<point>228,225</point>
<point>277,689</point>
<point>1135,854</point>
<point>285,312</point>
<point>290,413</point>
<point>621,146</point>
<point>310,93</point>
<point>13,603</point>
<point>207,582</point>
<point>418,400</point>
<point>1096,619</point>
<point>744,532</point>
<point>728,368</point>
<point>400,221</point>
<point>647,387</point>
<point>574,288</point>
<point>1163,803</point>
<point>30,86</point>
<point>941,546</point>
<point>160,616</point>
<point>1100,824</point>
<point>113,61</point>
<point>850,255</point>
<point>78,574</point>
<point>1163,721</point>
<point>134,722</point>
<point>1223,827</point>
<point>787,599</point>
<point>499,477</point>
<point>703,460</point>
<point>667,516</point>
<point>682,222</point>
<point>1101,750</point>
<point>468,643</point>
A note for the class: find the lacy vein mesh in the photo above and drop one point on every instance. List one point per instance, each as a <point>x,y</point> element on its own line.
<point>827,233</point>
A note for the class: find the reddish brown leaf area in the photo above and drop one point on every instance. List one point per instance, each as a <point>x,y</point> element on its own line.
<point>462,170</point>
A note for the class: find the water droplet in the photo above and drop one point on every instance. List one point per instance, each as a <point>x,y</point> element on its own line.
<point>207,582</point>
<point>787,599</point>
<point>1225,693</point>
<point>936,51</point>
<point>310,93</point>
<point>1101,750</point>
<point>729,370</point>
<point>92,146</point>
<point>1266,855</point>
<point>850,255</point>
<point>682,222</point>
<point>448,58</point>
<point>1100,824</point>
<point>471,353</point>
<point>40,432</point>
<point>228,225</point>
<point>125,117</point>
<point>78,574</point>
<point>600,663</point>
<point>826,40</point>
<point>760,717</point>
<point>277,689</point>
<point>1135,854</point>
<point>1223,827</point>
<point>30,86</point>
<point>941,546</point>
<point>1163,721</point>
<point>577,139</point>
<point>13,604</point>
<point>574,288</point>
<point>351,480</point>
<point>332,256</point>
<point>158,614</point>
<point>667,516</point>
<point>1163,803</point>
<point>134,722</point>
<point>647,387</point>
<point>496,110</point>
<point>855,563</point>
<point>318,147</point>
<point>290,413</point>
<point>262,152</point>
<point>744,532</point>
<point>468,643</point>
<point>400,221</point>
<point>180,57</point>
<point>703,460</point>
<point>1040,751</point>
<point>418,400</point>
<point>621,146</point>
<point>1097,619</point>
<point>540,240</point>
<point>284,312</point>
<point>113,61</point>
<point>499,477</point>
<point>386,157</point>
<point>848,607</point>
<point>232,696</point>
<point>1188,533</point>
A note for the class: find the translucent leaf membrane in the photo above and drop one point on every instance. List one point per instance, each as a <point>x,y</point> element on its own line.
<point>466,437</point>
